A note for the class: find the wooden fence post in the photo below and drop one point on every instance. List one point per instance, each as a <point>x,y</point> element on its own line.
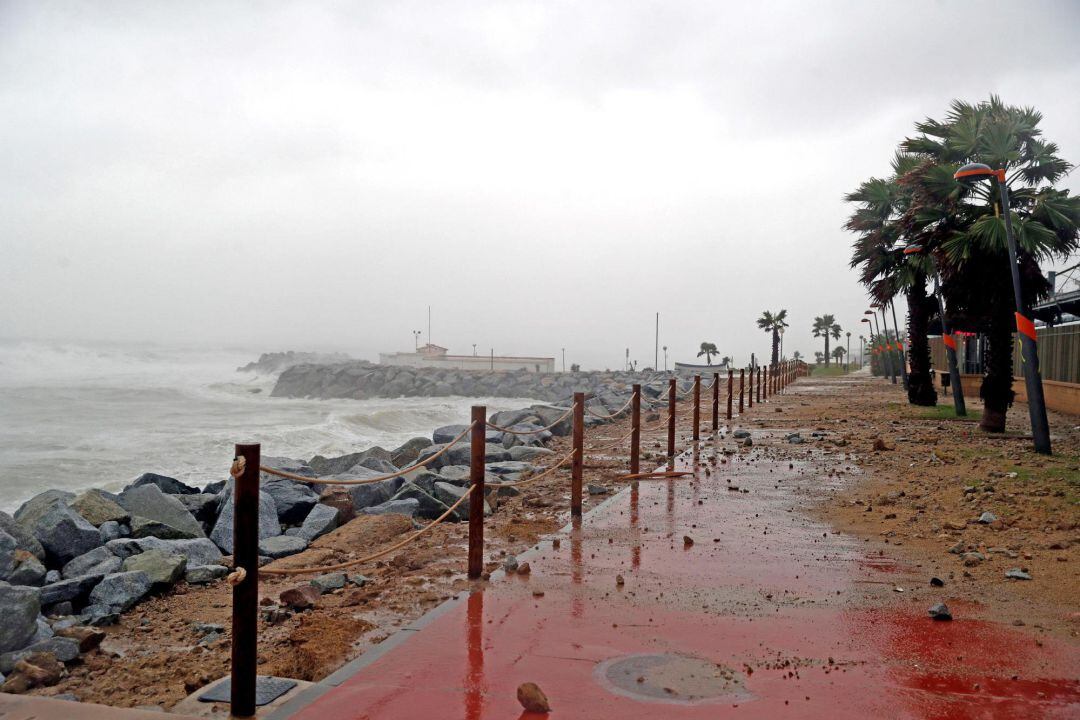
<point>671,418</point>
<point>742,388</point>
<point>715,402</point>
<point>697,407</point>
<point>635,434</point>
<point>477,442</point>
<point>578,462</point>
<point>730,390</point>
<point>245,594</point>
<point>750,394</point>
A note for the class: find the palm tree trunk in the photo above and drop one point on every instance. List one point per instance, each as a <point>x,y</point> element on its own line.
<point>920,382</point>
<point>826,351</point>
<point>996,390</point>
<point>775,346</point>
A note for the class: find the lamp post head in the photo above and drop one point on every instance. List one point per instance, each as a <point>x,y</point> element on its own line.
<point>868,312</point>
<point>974,172</point>
<point>865,320</point>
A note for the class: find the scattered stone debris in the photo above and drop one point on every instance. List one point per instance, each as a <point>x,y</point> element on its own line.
<point>987,517</point>
<point>524,569</point>
<point>510,565</point>
<point>1017,574</point>
<point>937,582</point>
<point>532,698</point>
<point>940,612</point>
<point>301,597</point>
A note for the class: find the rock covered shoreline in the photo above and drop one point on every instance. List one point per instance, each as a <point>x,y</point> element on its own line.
<point>71,564</point>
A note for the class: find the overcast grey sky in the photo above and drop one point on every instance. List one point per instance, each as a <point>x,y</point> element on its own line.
<point>283,175</point>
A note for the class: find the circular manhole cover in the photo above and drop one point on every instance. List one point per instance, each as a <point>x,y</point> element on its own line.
<point>672,678</point>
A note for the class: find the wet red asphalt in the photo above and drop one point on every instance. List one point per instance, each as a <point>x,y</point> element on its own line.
<point>802,623</point>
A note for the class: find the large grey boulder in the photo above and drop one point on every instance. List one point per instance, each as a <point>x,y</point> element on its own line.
<point>112,531</point>
<point>204,574</point>
<point>28,570</point>
<point>19,609</point>
<point>74,590</point>
<point>165,484</point>
<point>405,506</point>
<point>321,520</point>
<point>121,591</point>
<point>383,467</point>
<point>510,466</point>
<point>428,505</point>
<point>292,499</point>
<point>98,507</point>
<point>147,501</point>
<point>374,493</point>
<point>525,453</point>
<point>200,551</point>
<point>447,433</point>
<point>164,569</point>
<point>202,506</point>
<point>282,546</point>
<point>24,539</point>
<point>99,561</point>
<point>62,532</point>
<point>449,494</point>
<point>64,649</point>
<point>343,463</point>
<point>33,509</point>
<point>409,450</point>
<point>222,534</point>
<point>8,546</point>
<point>549,415</point>
<point>509,418</point>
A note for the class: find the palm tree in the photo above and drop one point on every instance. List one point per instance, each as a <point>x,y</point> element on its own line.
<point>826,326</point>
<point>838,353</point>
<point>726,360</point>
<point>881,205</point>
<point>774,324</point>
<point>708,350</point>
<point>819,357</point>
<point>797,356</point>
<point>964,229</point>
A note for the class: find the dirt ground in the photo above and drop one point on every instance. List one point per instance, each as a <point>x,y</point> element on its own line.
<point>918,497</point>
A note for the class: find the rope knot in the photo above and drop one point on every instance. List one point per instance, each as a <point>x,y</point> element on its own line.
<point>238,465</point>
<point>236,577</point>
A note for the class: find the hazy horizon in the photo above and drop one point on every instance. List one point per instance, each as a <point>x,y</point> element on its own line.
<point>312,176</point>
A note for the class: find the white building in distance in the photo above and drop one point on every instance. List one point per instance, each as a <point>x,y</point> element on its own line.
<point>434,356</point>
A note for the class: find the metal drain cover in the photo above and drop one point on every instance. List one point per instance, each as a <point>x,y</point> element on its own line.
<point>671,678</point>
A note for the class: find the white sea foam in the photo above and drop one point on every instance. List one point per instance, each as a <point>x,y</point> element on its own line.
<point>78,416</point>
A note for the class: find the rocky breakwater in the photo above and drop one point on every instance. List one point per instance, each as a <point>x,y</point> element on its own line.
<point>275,362</point>
<point>361,380</point>
<point>70,564</point>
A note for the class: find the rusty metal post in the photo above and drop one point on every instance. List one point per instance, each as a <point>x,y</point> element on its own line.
<point>671,418</point>
<point>715,401</point>
<point>635,434</point>
<point>765,376</point>
<point>697,407</point>
<point>759,385</point>
<point>477,440</point>
<point>730,390</point>
<point>245,594</point>
<point>742,388</point>
<point>750,394</point>
<point>578,461</point>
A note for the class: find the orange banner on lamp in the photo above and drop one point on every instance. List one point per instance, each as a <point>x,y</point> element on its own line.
<point>949,341</point>
<point>1025,326</point>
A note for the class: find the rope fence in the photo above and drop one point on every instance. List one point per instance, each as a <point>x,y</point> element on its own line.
<point>246,469</point>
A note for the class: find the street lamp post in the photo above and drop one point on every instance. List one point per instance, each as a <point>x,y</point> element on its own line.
<point>848,357</point>
<point>899,346</point>
<point>564,359</point>
<point>862,352</point>
<point>870,332</point>
<point>959,406</point>
<point>877,331</point>
<point>665,358</point>
<point>1040,426</point>
<point>888,341</point>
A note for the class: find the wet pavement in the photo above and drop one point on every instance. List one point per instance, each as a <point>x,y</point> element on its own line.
<point>707,597</point>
